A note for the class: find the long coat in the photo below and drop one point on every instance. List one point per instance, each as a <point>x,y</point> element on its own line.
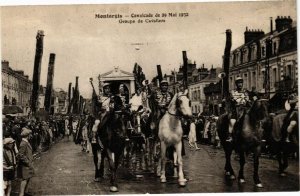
<point>25,167</point>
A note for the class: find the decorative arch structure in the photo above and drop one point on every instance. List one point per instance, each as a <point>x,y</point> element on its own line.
<point>117,77</point>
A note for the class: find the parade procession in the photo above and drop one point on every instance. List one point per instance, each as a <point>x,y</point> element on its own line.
<point>125,107</point>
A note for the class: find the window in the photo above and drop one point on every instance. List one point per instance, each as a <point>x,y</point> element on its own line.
<point>274,77</point>
<point>245,81</point>
<point>253,79</point>
<point>263,51</point>
<point>275,48</point>
<point>263,79</point>
<point>230,83</point>
<point>289,71</point>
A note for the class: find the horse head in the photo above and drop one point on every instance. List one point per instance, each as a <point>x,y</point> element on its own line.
<point>183,104</point>
<point>259,113</point>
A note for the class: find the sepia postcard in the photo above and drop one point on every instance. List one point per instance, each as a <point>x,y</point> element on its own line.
<point>149,98</point>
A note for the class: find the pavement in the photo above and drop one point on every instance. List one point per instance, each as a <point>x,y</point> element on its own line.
<point>66,170</point>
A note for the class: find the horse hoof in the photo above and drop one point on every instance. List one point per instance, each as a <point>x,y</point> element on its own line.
<point>113,189</point>
<point>259,185</point>
<point>232,177</point>
<point>242,181</point>
<point>282,174</point>
<point>163,180</point>
<point>182,183</point>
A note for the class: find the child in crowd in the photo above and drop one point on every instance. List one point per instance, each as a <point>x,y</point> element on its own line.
<point>9,164</point>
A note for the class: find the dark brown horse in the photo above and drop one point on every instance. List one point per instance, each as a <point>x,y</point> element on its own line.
<point>277,140</point>
<point>112,135</point>
<point>247,136</point>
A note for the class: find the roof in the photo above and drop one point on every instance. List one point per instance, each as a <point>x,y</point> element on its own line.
<point>212,78</point>
<point>116,73</point>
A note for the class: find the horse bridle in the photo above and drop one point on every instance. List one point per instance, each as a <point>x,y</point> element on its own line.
<point>180,115</point>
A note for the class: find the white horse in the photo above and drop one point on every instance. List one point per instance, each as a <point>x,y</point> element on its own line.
<point>170,132</point>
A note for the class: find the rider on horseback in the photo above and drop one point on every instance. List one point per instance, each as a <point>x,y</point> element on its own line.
<point>106,105</point>
<point>241,99</point>
<point>162,99</point>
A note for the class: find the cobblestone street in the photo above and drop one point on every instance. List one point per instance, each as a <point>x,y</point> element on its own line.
<point>65,169</point>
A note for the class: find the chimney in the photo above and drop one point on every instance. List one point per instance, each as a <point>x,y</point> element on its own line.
<point>213,72</point>
<point>271,24</point>
<point>283,23</point>
<point>252,34</point>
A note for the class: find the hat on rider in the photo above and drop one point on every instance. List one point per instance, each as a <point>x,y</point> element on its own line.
<point>121,86</point>
<point>105,85</point>
<point>239,79</point>
<point>164,82</point>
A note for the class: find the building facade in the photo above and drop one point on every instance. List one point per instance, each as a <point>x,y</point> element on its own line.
<point>267,62</point>
<point>16,87</point>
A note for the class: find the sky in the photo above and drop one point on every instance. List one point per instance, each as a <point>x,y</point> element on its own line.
<point>86,46</point>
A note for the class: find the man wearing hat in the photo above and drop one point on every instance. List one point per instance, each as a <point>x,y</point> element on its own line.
<point>162,99</point>
<point>9,164</point>
<point>106,104</point>
<point>25,167</point>
<point>241,98</point>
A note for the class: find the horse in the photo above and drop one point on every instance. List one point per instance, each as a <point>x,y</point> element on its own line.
<point>112,138</point>
<point>170,132</point>
<point>279,146</point>
<point>247,137</point>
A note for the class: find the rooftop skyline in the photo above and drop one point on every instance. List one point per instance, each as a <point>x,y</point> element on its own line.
<point>86,46</point>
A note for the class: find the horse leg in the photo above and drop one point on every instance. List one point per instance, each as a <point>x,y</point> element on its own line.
<point>256,156</point>
<point>96,162</point>
<point>102,156</point>
<point>242,163</point>
<point>280,164</point>
<point>146,155</point>
<point>163,149</point>
<point>157,159</point>
<point>285,159</point>
<point>175,163</point>
<point>181,180</point>
<point>228,168</point>
<point>113,185</point>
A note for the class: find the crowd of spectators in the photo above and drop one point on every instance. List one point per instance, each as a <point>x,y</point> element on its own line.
<point>23,140</point>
